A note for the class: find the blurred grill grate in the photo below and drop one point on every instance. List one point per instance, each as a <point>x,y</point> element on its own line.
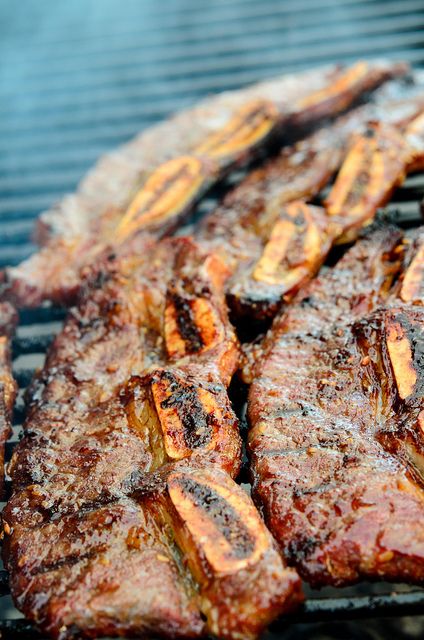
<point>80,78</point>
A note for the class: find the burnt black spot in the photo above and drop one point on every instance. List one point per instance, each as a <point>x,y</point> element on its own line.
<point>185,322</point>
<point>301,548</point>
<point>100,279</point>
<point>184,398</point>
<point>370,132</point>
<point>309,301</point>
<point>224,517</point>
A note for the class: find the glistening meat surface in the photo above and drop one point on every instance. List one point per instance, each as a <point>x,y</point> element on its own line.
<point>272,241</point>
<point>125,519</point>
<point>336,414</point>
<point>136,378</point>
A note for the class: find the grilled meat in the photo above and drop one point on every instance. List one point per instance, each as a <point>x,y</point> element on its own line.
<point>149,186</point>
<point>187,554</point>
<point>376,164</point>
<point>336,418</point>
<point>273,243</point>
<point>124,518</point>
<point>136,378</point>
<point>8,387</point>
<point>247,228</point>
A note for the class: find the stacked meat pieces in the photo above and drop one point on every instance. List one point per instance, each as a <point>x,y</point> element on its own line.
<point>151,184</point>
<point>125,517</point>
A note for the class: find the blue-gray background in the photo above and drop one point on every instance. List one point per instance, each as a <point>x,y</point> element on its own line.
<point>78,77</point>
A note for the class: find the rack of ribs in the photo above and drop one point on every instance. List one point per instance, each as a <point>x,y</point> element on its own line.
<point>8,387</point>
<point>273,240</point>
<point>124,517</point>
<point>148,186</point>
<point>336,418</point>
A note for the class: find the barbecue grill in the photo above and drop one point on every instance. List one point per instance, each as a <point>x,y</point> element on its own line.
<point>80,78</point>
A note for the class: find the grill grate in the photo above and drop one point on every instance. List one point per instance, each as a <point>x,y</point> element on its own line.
<point>80,78</point>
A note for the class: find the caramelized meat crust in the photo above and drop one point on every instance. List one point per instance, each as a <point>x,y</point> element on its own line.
<point>124,518</point>
<point>335,414</point>
<point>377,162</point>
<point>272,241</point>
<point>137,376</point>
<point>186,554</point>
<point>147,186</point>
<point>246,230</point>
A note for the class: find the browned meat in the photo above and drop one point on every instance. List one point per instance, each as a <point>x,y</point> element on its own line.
<point>149,186</point>
<point>8,387</point>
<point>136,378</point>
<point>377,162</point>
<point>247,229</point>
<point>8,321</point>
<point>410,284</point>
<point>124,518</point>
<point>271,242</point>
<point>415,138</point>
<point>336,415</point>
<point>186,555</point>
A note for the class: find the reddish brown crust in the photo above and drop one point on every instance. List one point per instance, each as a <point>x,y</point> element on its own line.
<point>240,228</point>
<point>415,138</point>
<point>250,220</point>
<point>142,565</point>
<point>96,531</point>
<point>335,425</point>
<point>80,408</point>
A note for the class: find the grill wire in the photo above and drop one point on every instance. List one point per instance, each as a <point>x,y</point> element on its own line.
<point>79,78</point>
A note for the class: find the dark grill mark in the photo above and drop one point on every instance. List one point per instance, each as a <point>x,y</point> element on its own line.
<point>224,517</point>
<point>69,561</point>
<point>186,324</point>
<point>166,186</point>
<point>196,422</point>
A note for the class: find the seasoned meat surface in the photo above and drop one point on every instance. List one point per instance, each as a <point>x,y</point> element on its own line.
<point>336,411</point>
<point>137,377</point>
<point>148,186</point>
<point>377,162</point>
<point>272,241</point>
<point>124,518</point>
<point>247,228</point>
<point>186,555</point>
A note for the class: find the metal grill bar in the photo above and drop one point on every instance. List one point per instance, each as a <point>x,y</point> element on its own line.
<point>176,60</point>
<point>217,12</point>
<point>168,70</point>
<point>250,10</point>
